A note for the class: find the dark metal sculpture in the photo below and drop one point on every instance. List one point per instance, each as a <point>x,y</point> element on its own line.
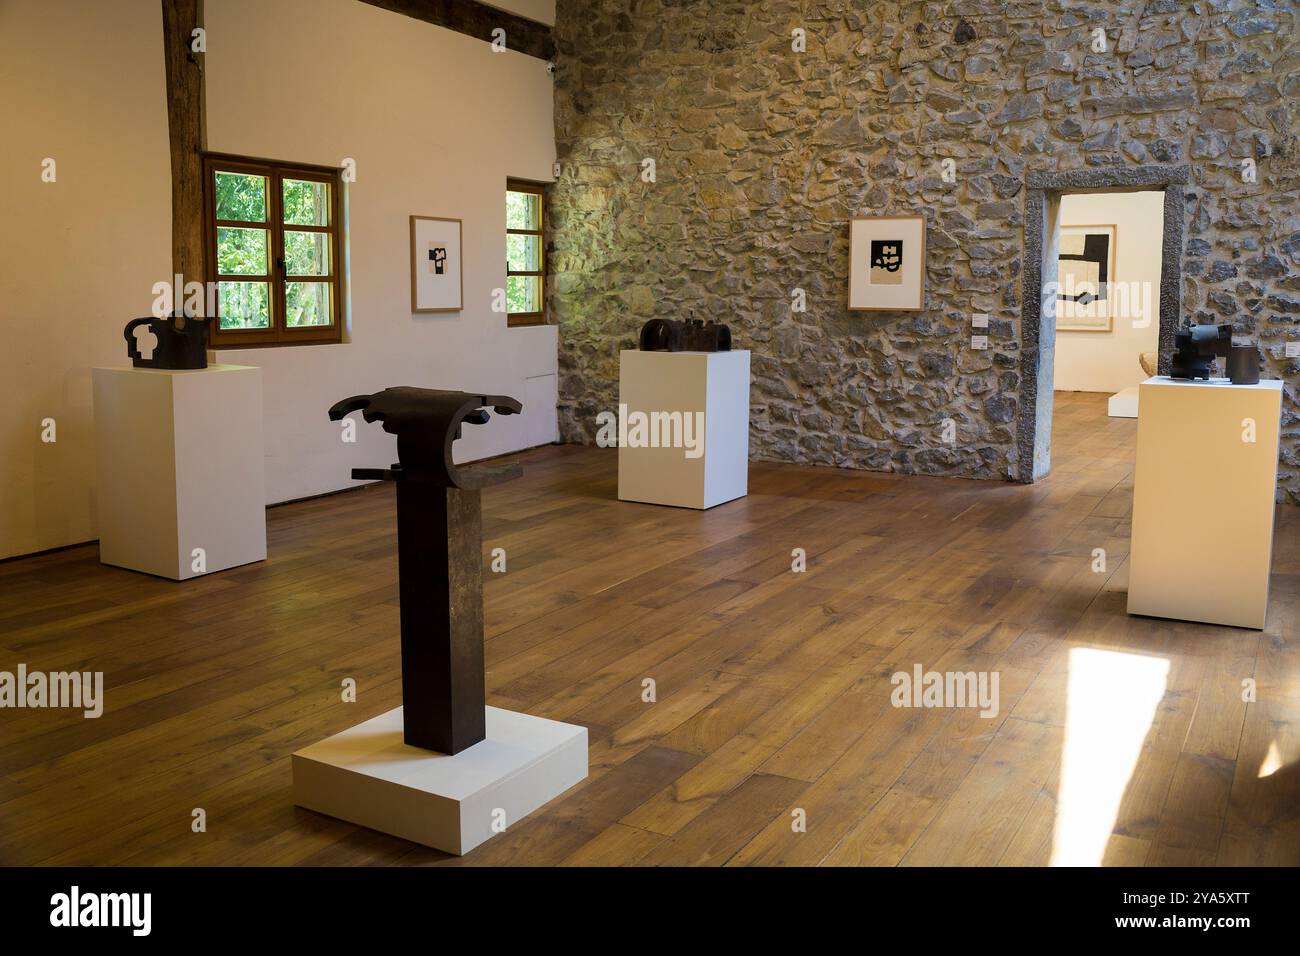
<point>1243,365</point>
<point>439,556</point>
<point>691,335</point>
<point>182,342</point>
<point>1195,350</point>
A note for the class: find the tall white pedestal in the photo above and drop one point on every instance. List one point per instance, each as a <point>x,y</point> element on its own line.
<point>1203,500</point>
<point>180,468</point>
<point>368,776</point>
<point>666,388</point>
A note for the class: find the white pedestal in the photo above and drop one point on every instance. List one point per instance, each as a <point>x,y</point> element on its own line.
<point>368,776</point>
<point>1124,403</point>
<point>666,387</point>
<point>1203,501</point>
<point>180,467</point>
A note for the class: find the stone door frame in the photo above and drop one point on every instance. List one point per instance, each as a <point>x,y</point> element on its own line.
<point>1043,191</point>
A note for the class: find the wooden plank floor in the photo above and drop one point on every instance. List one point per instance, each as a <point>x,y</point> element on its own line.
<point>1116,739</point>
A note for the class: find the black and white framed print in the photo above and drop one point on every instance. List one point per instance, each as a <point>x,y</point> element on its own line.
<point>435,264</point>
<point>887,263</point>
<point>1086,274</point>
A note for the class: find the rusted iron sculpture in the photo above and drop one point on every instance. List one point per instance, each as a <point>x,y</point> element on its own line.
<point>182,342</point>
<point>689,335</point>
<point>439,556</point>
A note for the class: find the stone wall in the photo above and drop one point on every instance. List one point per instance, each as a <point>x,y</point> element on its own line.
<point>762,155</point>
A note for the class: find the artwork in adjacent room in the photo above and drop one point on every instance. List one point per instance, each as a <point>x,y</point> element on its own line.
<point>1086,273</point>
<point>887,263</point>
<point>435,264</point>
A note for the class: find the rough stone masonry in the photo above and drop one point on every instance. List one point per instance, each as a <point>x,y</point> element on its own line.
<point>762,154</point>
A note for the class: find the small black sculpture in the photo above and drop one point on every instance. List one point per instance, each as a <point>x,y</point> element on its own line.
<point>1243,365</point>
<point>439,556</point>
<point>1195,350</point>
<point>182,342</point>
<point>691,335</point>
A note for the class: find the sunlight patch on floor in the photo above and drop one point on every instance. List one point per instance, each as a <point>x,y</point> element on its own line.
<point>1272,761</point>
<point>1111,703</point>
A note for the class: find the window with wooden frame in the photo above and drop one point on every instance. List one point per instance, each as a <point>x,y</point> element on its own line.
<point>274,250</point>
<point>525,253</point>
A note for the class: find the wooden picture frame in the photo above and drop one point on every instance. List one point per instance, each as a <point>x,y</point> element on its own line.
<point>420,291</point>
<point>1096,324</point>
<point>907,294</point>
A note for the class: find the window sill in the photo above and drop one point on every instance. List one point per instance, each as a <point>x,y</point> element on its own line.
<point>240,346</point>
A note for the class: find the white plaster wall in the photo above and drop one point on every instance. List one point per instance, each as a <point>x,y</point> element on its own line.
<point>82,83</point>
<point>435,122</point>
<point>1108,361</point>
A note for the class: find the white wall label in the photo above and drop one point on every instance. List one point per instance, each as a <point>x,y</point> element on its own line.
<point>980,320</point>
<point>1293,350</point>
<point>979,342</point>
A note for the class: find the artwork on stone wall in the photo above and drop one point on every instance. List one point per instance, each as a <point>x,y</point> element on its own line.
<point>887,263</point>
<point>435,264</point>
<point>1086,271</point>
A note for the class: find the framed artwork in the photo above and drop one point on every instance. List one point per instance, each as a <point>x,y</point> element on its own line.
<point>1085,271</point>
<point>435,264</point>
<point>887,263</point>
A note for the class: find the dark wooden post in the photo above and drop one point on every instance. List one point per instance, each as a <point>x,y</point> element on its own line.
<point>439,557</point>
<point>187,133</point>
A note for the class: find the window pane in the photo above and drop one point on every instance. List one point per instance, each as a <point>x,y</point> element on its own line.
<point>307,253</point>
<point>306,203</point>
<point>307,303</point>
<point>241,196</point>
<point>244,305</point>
<point>523,210</point>
<point>241,252</point>
<point>523,293</point>
<point>523,253</point>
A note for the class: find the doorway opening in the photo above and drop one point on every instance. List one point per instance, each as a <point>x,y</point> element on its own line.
<point>1044,285</point>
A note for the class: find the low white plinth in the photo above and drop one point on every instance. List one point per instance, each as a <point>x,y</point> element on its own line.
<point>180,468</point>
<point>1203,501</point>
<point>1124,403</point>
<point>368,776</point>
<point>666,387</point>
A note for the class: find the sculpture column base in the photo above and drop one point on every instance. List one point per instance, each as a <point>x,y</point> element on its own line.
<point>368,776</point>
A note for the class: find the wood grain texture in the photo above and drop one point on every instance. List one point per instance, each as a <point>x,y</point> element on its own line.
<point>187,135</point>
<point>772,688</point>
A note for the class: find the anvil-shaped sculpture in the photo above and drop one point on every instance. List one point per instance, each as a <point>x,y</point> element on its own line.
<point>439,556</point>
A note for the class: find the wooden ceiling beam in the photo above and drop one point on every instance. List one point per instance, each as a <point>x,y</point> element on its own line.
<point>478,20</point>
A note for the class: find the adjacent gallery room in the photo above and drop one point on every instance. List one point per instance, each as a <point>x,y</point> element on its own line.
<point>656,433</point>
